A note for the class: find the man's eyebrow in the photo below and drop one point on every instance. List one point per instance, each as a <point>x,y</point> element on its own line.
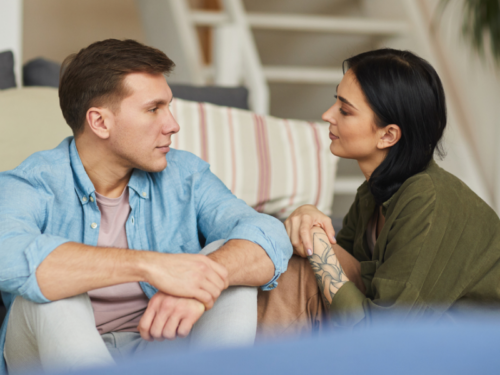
<point>155,102</point>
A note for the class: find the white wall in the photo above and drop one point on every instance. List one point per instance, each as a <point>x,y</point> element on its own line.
<point>477,87</point>
<point>11,32</point>
<point>471,88</point>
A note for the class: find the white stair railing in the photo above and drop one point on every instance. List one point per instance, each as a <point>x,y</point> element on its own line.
<point>253,74</point>
<point>236,60</point>
<point>11,26</point>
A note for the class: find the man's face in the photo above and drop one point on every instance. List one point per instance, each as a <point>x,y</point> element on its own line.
<point>143,126</point>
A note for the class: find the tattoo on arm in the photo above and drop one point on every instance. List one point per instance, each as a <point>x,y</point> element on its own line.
<point>329,273</point>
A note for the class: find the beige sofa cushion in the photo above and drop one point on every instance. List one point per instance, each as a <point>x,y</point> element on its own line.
<point>30,121</point>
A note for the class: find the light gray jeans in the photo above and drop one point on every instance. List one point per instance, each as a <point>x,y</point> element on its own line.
<point>61,335</point>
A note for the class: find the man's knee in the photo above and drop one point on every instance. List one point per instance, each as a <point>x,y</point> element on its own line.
<point>211,247</point>
<point>24,311</point>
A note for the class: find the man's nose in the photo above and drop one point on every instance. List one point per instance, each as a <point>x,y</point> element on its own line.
<point>170,124</point>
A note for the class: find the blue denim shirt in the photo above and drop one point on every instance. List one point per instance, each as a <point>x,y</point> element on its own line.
<point>49,200</point>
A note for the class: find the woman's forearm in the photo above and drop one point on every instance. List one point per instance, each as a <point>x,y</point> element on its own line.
<point>329,273</point>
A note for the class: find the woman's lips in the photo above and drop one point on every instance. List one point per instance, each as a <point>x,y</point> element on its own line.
<point>333,137</point>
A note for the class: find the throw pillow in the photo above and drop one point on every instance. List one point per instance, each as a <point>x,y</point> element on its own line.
<point>7,76</point>
<point>41,72</point>
<point>274,165</point>
<point>228,96</point>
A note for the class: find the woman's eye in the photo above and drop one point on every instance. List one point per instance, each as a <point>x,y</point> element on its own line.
<point>342,111</point>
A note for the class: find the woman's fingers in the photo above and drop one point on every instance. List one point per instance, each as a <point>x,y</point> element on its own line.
<point>330,232</point>
<point>295,236</point>
<point>328,228</point>
<point>305,234</point>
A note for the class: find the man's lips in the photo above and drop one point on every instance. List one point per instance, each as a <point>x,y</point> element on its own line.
<point>165,148</point>
<point>332,136</point>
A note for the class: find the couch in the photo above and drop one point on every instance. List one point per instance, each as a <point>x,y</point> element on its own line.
<point>275,165</point>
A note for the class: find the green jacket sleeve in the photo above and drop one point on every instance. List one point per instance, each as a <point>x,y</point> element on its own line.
<point>398,266</point>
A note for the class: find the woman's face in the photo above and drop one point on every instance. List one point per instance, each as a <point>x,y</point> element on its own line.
<point>353,131</point>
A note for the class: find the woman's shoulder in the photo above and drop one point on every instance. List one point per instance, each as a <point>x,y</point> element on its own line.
<point>444,190</point>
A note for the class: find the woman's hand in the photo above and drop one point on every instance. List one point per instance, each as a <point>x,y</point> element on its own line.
<point>299,224</point>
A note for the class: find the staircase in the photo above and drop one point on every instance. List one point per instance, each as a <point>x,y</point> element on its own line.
<point>289,54</point>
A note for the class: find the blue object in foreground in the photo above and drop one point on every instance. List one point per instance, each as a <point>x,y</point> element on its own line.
<point>469,348</point>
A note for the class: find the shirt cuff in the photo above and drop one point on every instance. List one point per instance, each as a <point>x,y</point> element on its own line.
<point>279,254</point>
<point>346,309</point>
<point>36,254</point>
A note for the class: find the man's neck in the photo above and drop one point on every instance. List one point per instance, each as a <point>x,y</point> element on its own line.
<point>108,177</point>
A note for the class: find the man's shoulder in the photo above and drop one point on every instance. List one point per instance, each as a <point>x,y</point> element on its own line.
<point>43,164</point>
<point>185,162</point>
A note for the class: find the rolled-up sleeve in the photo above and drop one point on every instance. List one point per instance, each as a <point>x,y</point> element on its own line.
<point>221,215</point>
<point>23,246</point>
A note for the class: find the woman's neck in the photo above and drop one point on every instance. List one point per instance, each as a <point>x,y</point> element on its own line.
<point>368,165</point>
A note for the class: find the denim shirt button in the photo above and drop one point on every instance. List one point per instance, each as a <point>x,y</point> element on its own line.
<point>91,198</point>
<point>93,225</point>
<point>132,220</point>
<point>84,199</point>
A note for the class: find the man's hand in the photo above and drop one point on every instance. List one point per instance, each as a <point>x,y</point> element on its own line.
<point>168,317</point>
<point>187,275</point>
<point>299,225</point>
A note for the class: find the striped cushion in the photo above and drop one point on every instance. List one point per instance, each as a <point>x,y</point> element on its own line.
<point>274,165</point>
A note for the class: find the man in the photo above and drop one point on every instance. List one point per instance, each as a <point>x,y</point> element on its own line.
<point>75,225</point>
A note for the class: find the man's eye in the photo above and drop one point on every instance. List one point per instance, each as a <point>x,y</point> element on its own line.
<point>153,110</point>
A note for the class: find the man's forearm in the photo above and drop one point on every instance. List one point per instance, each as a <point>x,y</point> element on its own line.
<point>247,263</point>
<point>74,268</point>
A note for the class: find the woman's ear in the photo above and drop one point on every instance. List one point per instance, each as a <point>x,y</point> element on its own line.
<point>390,135</point>
<point>99,121</point>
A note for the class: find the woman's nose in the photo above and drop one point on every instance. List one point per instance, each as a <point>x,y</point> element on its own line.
<point>328,116</point>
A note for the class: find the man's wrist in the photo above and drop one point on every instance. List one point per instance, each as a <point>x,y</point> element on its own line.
<point>141,262</point>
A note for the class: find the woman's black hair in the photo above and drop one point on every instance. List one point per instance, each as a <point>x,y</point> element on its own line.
<point>402,89</point>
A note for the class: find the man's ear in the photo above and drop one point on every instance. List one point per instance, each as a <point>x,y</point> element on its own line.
<point>99,120</point>
<point>390,135</point>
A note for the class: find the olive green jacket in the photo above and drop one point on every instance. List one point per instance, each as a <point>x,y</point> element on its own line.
<point>437,254</point>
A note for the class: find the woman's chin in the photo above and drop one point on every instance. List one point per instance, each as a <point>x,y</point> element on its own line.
<point>335,151</point>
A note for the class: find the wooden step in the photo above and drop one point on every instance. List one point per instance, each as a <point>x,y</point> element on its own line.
<point>342,25</point>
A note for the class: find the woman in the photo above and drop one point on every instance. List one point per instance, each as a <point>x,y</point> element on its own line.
<point>417,240</point>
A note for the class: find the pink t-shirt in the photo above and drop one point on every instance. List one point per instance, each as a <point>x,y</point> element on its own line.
<point>117,307</point>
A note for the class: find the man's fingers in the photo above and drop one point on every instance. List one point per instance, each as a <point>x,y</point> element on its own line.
<point>161,318</point>
<point>170,329</point>
<point>218,282</point>
<point>220,269</point>
<point>145,324</point>
<point>212,289</point>
<point>205,298</point>
<point>185,326</point>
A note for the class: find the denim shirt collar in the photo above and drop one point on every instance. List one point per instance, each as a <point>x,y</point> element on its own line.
<point>139,181</point>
